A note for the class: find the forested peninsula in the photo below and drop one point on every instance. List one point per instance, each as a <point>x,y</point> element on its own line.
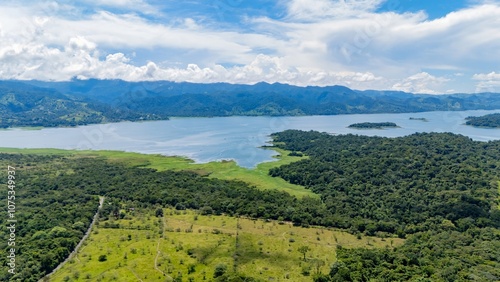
<point>491,121</point>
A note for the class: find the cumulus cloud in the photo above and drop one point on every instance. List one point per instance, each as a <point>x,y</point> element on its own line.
<point>317,42</point>
<point>80,58</point>
<point>420,83</point>
<point>488,82</point>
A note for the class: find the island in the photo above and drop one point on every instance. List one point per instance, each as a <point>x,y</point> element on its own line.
<point>372,125</point>
<point>490,121</point>
<point>421,119</point>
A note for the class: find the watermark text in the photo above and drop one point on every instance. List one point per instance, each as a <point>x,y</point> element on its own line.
<point>11,219</point>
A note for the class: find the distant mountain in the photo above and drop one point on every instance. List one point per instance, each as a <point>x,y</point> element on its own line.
<point>22,104</point>
<point>164,98</point>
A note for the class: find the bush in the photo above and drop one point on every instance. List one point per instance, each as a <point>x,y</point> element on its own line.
<point>220,270</point>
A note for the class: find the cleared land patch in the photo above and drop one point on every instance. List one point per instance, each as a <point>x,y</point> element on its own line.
<point>187,244</point>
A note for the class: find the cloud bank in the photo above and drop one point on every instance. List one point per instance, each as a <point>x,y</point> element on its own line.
<point>314,42</point>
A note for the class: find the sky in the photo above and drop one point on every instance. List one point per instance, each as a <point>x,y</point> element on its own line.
<point>434,47</point>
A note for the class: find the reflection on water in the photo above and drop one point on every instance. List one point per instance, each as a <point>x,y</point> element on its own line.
<point>237,138</point>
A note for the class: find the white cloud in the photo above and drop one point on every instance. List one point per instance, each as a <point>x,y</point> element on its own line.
<point>318,42</point>
<point>486,77</point>
<point>80,58</point>
<point>314,10</point>
<point>139,6</point>
<point>420,83</point>
<point>488,82</point>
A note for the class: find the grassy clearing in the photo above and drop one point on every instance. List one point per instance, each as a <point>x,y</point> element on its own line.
<point>227,170</point>
<point>187,244</point>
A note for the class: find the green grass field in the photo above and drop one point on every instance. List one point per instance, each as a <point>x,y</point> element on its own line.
<point>187,244</point>
<point>142,247</point>
<point>227,170</point>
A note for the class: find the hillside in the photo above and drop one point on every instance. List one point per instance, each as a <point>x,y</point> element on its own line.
<point>223,99</point>
<point>25,105</point>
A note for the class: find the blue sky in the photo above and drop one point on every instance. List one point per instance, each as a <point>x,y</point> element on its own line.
<point>417,46</point>
<point>434,9</point>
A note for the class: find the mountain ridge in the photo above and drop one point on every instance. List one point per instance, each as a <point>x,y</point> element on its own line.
<point>146,100</point>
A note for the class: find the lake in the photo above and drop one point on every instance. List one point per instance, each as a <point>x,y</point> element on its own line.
<point>238,138</point>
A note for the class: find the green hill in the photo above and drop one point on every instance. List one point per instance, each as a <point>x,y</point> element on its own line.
<point>25,105</point>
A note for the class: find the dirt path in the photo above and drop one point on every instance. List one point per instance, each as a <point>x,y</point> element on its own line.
<point>73,254</point>
<point>135,274</point>
<point>158,252</point>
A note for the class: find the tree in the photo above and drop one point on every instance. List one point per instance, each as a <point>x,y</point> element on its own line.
<point>317,264</point>
<point>220,270</point>
<point>103,258</point>
<point>303,250</point>
<point>339,272</point>
<point>159,212</point>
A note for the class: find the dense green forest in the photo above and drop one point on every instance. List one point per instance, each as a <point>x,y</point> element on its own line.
<point>438,190</point>
<point>376,125</point>
<point>94,101</point>
<point>25,105</point>
<point>491,120</point>
<point>51,218</point>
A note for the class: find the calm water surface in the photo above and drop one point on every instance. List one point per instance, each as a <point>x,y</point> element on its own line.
<point>237,138</point>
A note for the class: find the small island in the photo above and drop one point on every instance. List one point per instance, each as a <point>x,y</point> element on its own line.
<point>421,119</point>
<point>373,125</point>
<point>490,121</point>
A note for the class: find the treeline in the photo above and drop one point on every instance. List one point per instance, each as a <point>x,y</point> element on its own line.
<point>373,125</point>
<point>438,190</point>
<point>491,120</point>
<point>428,256</point>
<point>50,219</point>
<point>396,185</point>
<point>188,190</point>
<point>58,196</point>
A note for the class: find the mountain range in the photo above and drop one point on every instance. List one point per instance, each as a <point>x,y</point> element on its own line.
<point>78,102</point>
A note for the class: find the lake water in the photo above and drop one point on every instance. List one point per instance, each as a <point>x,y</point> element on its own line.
<point>237,138</point>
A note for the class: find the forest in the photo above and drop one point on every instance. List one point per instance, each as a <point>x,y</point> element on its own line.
<point>51,218</point>
<point>437,190</point>
<point>491,121</point>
